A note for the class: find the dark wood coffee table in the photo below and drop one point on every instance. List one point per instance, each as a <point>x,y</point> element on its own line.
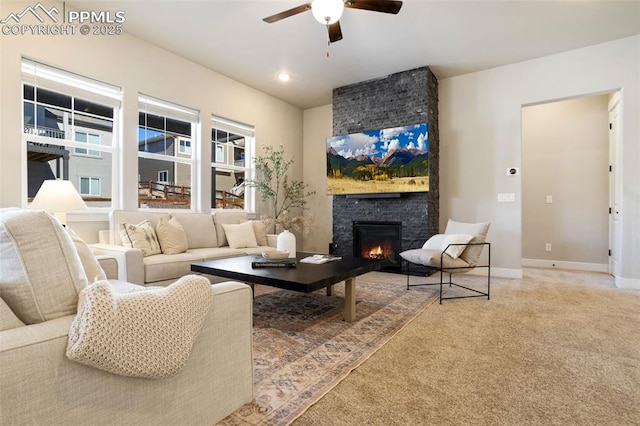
<point>305,278</point>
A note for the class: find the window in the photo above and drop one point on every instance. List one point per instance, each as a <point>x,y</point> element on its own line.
<point>184,147</point>
<point>89,139</point>
<point>232,144</point>
<point>70,127</point>
<point>166,162</point>
<point>90,186</point>
<point>163,176</point>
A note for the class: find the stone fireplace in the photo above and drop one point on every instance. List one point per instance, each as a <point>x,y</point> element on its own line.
<point>400,99</point>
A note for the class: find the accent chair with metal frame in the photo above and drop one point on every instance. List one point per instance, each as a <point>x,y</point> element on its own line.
<point>457,251</point>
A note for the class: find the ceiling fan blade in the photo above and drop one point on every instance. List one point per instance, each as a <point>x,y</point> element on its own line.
<point>385,6</point>
<point>278,16</point>
<point>335,32</point>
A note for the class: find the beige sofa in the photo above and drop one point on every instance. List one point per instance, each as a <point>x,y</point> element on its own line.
<point>40,385</point>
<point>206,240</point>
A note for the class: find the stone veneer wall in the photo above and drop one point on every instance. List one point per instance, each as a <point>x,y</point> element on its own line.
<point>408,97</point>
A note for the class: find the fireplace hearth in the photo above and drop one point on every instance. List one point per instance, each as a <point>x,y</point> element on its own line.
<point>378,240</point>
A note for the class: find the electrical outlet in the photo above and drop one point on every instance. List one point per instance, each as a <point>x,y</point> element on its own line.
<point>547,247</point>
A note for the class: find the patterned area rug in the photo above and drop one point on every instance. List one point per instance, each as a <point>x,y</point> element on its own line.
<point>302,348</point>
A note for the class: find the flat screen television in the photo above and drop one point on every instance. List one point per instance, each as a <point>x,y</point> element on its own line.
<point>382,161</point>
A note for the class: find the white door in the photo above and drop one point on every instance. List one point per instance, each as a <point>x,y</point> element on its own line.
<point>614,185</point>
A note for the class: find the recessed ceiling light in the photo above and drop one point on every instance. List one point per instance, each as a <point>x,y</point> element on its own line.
<point>283,76</point>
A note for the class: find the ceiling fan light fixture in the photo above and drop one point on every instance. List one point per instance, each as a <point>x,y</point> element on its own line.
<point>327,12</point>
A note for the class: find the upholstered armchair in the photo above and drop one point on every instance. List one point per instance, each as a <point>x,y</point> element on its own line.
<point>457,251</point>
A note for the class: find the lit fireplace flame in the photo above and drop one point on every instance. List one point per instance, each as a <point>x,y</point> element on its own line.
<point>376,252</point>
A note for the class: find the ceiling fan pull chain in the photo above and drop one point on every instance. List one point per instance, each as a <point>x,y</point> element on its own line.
<point>328,40</point>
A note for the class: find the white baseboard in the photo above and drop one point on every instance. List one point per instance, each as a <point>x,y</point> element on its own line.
<point>560,264</point>
<point>627,283</point>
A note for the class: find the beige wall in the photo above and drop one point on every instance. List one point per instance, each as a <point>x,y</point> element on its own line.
<point>565,155</point>
<point>480,133</point>
<point>136,66</point>
<point>317,128</point>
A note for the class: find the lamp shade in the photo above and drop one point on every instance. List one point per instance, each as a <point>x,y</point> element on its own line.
<point>327,11</point>
<point>58,197</point>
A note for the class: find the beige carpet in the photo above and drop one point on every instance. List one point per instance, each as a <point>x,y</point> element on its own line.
<point>555,348</point>
<point>302,347</point>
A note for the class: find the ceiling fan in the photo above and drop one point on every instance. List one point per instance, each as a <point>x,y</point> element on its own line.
<point>328,12</point>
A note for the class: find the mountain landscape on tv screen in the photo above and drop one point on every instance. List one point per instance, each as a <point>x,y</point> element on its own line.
<point>379,161</point>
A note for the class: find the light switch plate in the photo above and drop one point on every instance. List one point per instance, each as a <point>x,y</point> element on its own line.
<point>506,197</point>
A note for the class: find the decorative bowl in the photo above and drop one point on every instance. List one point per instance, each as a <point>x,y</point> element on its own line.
<point>275,255</point>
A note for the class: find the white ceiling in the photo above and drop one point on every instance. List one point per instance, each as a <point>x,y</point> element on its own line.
<point>452,37</point>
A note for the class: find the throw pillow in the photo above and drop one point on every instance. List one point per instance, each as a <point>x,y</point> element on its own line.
<point>140,236</point>
<point>260,231</point>
<point>8,319</point>
<point>228,217</point>
<point>146,333</point>
<point>173,239</point>
<point>40,271</point>
<point>479,232</point>
<point>90,264</point>
<point>240,235</point>
<point>455,250</point>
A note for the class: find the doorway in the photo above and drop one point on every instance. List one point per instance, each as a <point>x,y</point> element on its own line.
<point>565,184</point>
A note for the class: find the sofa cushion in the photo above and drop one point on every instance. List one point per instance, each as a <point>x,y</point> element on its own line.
<point>240,235</point>
<point>140,236</point>
<point>41,271</point>
<point>199,229</point>
<point>147,333</point>
<point>161,267</point>
<point>8,319</point>
<point>173,239</point>
<point>230,217</point>
<point>92,268</point>
<point>217,252</point>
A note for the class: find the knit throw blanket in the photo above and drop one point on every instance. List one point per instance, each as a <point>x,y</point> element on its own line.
<point>147,333</point>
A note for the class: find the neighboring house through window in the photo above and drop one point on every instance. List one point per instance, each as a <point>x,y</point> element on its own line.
<point>166,161</point>
<point>90,186</point>
<point>70,129</point>
<point>232,147</point>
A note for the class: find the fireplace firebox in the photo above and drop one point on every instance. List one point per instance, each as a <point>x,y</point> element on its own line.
<point>378,240</point>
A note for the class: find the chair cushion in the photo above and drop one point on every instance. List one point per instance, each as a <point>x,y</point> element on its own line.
<point>173,239</point>
<point>428,257</point>
<point>479,232</point>
<point>434,243</point>
<point>42,274</point>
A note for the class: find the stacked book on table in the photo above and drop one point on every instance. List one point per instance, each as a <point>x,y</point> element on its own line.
<point>261,262</point>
